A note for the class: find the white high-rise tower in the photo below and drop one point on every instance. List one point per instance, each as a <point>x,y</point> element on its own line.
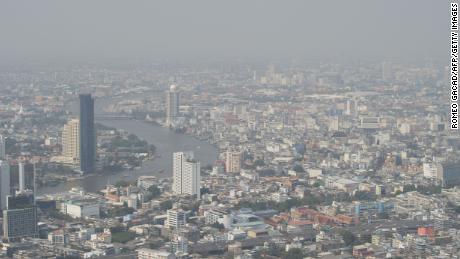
<point>172,105</point>
<point>21,177</point>
<point>4,183</point>
<point>186,174</point>
<point>2,147</point>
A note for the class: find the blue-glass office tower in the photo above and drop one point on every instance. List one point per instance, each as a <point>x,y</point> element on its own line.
<point>87,134</point>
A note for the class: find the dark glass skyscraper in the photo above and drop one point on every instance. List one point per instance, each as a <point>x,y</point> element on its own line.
<point>87,134</point>
<point>20,217</point>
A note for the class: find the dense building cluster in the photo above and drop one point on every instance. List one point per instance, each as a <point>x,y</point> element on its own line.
<point>314,161</point>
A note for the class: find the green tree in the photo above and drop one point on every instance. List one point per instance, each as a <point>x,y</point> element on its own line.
<point>409,188</point>
<point>154,191</point>
<point>218,225</point>
<point>119,212</point>
<point>259,162</point>
<point>121,183</point>
<point>294,253</point>
<point>348,237</point>
<point>383,215</point>
<point>123,237</point>
<point>59,215</point>
<point>457,209</point>
<point>318,183</point>
<point>298,169</point>
<point>274,250</point>
<point>364,196</point>
<point>430,189</point>
<point>155,244</point>
<point>166,205</point>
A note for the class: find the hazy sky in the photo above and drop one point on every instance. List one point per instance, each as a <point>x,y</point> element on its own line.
<point>99,29</point>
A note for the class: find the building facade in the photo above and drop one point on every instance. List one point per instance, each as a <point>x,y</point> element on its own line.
<point>172,105</point>
<point>449,174</point>
<point>87,134</point>
<point>4,183</point>
<point>2,147</point>
<point>233,161</point>
<point>22,176</point>
<point>146,253</point>
<point>82,209</point>
<point>20,217</point>
<point>71,141</point>
<point>179,245</point>
<point>176,218</point>
<point>186,174</point>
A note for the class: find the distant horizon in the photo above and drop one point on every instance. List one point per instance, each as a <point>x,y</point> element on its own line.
<point>132,62</point>
<point>102,31</point>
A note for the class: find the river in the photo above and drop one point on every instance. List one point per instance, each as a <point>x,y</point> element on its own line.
<point>166,143</point>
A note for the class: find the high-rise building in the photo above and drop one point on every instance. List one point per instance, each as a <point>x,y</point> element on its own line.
<point>2,147</point>
<point>352,107</point>
<point>4,183</point>
<point>22,177</point>
<point>233,161</point>
<point>71,141</point>
<point>334,123</point>
<point>20,217</point>
<point>178,164</point>
<point>387,70</point>
<point>448,174</point>
<point>179,245</point>
<point>176,218</point>
<point>58,237</point>
<point>191,178</point>
<point>172,105</point>
<point>87,134</point>
<point>430,170</point>
<point>186,174</point>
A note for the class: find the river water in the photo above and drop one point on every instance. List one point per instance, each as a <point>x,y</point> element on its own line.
<point>166,143</point>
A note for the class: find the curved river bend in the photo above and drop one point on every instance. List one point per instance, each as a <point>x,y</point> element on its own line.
<point>166,142</point>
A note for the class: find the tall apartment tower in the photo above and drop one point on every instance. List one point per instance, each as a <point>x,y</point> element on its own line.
<point>172,105</point>
<point>4,183</point>
<point>233,161</point>
<point>71,141</point>
<point>87,134</point>
<point>2,147</point>
<point>186,174</point>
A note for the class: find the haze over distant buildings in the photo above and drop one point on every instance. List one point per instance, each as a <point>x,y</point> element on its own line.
<point>50,31</point>
<point>237,129</point>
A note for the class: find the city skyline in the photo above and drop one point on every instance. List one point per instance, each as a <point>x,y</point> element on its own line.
<point>238,130</point>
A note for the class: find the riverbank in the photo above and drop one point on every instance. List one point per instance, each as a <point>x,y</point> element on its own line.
<point>165,141</point>
<point>118,151</point>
